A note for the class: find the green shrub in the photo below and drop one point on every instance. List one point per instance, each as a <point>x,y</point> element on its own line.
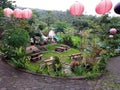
<point>16,56</point>
<point>56,65</point>
<point>20,62</point>
<point>20,59</point>
<point>7,52</point>
<point>17,38</point>
<point>68,40</point>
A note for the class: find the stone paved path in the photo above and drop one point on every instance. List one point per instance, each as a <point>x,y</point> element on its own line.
<point>111,81</point>
<point>12,79</point>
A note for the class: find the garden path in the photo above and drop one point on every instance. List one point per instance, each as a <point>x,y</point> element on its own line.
<point>111,81</point>
<point>12,79</point>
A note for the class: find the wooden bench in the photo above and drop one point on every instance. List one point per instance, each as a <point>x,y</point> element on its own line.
<point>35,57</point>
<point>60,49</point>
<point>65,46</point>
<point>35,54</point>
<point>76,56</point>
<point>42,48</point>
<point>32,49</point>
<point>49,61</point>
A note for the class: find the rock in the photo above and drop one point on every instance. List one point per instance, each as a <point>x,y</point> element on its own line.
<point>67,71</point>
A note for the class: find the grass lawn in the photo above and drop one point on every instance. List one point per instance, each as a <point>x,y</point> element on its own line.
<point>64,56</point>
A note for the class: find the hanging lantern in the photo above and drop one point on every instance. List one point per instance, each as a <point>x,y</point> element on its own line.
<point>103,7</point>
<point>77,9</point>
<point>18,13</point>
<point>117,8</point>
<point>27,13</point>
<point>113,31</point>
<point>8,12</point>
<point>111,36</point>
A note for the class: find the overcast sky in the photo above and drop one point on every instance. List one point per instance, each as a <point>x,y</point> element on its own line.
<point>62,5</point>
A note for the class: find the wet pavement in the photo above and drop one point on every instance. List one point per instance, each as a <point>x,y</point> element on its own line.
<point>13,79</point>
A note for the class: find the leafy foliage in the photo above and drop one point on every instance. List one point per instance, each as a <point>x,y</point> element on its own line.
<point>17,38</point>
<point>42,20</point>
<point>42,25</point>
<point>20,60</point>
<point>6,4</point>
<point>7,52</point>
<point>57,66</point>
<point>60,26</point>
<point>68,40</point>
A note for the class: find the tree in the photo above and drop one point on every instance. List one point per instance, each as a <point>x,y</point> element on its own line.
<point>80,23</point>
<point>6,4</point>
<point>60,26</point>
<point>49,18</point>
<point>4,20</point>
<point>42,25</point>
<point>16,38</point>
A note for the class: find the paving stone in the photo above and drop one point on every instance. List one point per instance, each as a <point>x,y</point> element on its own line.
<point>28,88</point>
<point>3,89</point>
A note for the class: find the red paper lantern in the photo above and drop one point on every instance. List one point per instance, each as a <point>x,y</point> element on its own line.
<point>27,13</point>
<point>18,13</point>
<point>113,31</point>
<point>103,7</point>
<point>8,12</point>
<point>111,36</point>
<point>77,9</point>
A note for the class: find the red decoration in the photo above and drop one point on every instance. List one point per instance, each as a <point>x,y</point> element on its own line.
<point>8,12</point>
<point>113,31</point>
<point>103,7</point>
<point>77,9</point>
<point>27,13</point>
<point>111,36</point>
<point>18,13</point>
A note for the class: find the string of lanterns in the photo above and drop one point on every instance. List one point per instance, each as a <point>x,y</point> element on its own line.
<point>18,13</point>
<point>103,7</point>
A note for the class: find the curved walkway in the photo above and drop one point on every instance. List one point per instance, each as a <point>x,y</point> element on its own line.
<point>111,81</point>
<point>12,79</point>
